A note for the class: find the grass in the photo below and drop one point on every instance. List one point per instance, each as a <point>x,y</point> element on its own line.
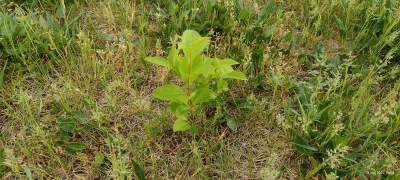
<point>321,102</point>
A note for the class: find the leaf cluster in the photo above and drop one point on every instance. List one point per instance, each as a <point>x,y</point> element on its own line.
<point>197,73</point>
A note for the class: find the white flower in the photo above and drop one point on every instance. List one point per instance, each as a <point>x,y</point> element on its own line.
<point>336,155</point>
<point>331,176</point>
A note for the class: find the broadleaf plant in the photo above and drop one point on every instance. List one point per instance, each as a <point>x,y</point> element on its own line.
<point>198,74</point>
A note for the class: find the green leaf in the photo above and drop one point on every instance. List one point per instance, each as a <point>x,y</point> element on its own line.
<point>80,116</point>
<point>189,37</point>
<point>184,69</point>
<point>232,124</point>
<point>139,172</point>
<point>212,61</point>
<point>341,142</point>
<point>172,57</point>
<point>236,75</point>
<point>170,92</point>
<point>181,125</point>
<point>75,147</point>
<point>228,62</point>
<point>159,61</point>
<point>180,110</point>
<point>99,160</point>
<point>66,124</point>
<point>315,170</point>
<point>301,144</point>
<point>88,102</point>
<point>28,172</point>
<point>205,69</point>
<point>196,64</point>
<point>222,85</point>
<point>203,95</point>
<point>267,33</point>
<point>199,46</point>
<point>342,29</point>
<point>224,70</point>
<point>62,135</point>
<point>194,130</point>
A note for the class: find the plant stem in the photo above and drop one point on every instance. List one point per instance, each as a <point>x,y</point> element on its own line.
<point>188,90</point>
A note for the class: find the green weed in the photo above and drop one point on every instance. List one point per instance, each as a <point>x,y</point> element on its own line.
<point>198,73</point>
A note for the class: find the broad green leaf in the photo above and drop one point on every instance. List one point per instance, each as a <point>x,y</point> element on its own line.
<point>181,125</point>
<point>212,61</point>
<point>173,57</point>
<point>189,37</point>
<point>224,70</point>
<point>236,75</point>
<point>62,135</point>
<point>80,116</point>
<point>205,69</point>
<point>228,62</point>
<point>159,61</point>
<point>180,110</point>
<point>222,85</point>
<point>186,49</point>
<point>203,95</point>
<point>170,92</point>
<point>75,147</point>
<point>184,69</point>
<point>139,172</point>
<point>192,43</point>
<point>199,46</point>
<point>197,64</point>
<point>66,124</point>
<point>187,68</point>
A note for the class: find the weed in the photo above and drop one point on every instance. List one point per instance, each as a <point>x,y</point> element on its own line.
<point>198,73</point>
